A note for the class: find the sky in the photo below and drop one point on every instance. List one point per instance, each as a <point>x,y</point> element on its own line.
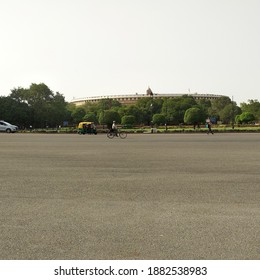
<point>85,48</point>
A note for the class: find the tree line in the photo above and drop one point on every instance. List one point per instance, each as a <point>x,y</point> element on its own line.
<point>39,107</point>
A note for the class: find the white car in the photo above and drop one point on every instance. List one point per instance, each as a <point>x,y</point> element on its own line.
<point>7,127</point>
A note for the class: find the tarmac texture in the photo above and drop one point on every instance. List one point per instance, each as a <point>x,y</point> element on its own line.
<point>149,196</point>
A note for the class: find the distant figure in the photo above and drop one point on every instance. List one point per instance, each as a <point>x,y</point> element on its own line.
<point>209,125</point>
<point>114,128</point>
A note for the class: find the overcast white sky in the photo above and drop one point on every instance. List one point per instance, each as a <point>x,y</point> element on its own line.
<point>86,48</point>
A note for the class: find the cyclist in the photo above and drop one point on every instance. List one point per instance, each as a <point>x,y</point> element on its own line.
<point>114,128</point>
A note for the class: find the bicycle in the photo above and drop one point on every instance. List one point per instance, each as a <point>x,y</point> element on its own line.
<point>112,134</point>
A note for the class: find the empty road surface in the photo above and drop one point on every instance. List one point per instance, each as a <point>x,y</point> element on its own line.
<point>150,196</point>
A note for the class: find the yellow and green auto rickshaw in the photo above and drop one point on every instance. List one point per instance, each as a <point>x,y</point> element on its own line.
<point>87,128</point>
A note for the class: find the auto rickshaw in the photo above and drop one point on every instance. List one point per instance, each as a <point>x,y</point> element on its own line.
<point>87,128</point>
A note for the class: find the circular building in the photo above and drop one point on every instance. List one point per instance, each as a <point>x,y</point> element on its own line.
<point>129,99</point>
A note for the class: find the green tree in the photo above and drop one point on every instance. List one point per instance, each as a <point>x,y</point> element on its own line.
<point>78,114</point>
<point>46,108</point>
<point>221,102</point>
<point>131,110</point>
<point>70,107</point>
<point>159,119</point>
<point>39,96</point>
<point>204,105</point>
<point>194,116</point>
<point>237,119</point>
<point>253,107</point>
<point>57,110</point>
<point>218,105</point>
<point>148,106</point>
<point>19,94</point>
<point>246,117</point>
<point>128,120</point>
<point>91,107</point>
<point>107,104</point>
<point>229,112</point>
<point>15,111</point>
<point>108,116</point>
<point>144,102</point>
<point>175,108</point>
<point>90,117</point>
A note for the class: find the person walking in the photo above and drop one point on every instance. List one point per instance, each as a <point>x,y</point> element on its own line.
<point>209,125</point>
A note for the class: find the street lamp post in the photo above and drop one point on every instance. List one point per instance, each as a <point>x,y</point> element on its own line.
<point>151,123</point>
<point>232,116</point>
<point>166,115</point>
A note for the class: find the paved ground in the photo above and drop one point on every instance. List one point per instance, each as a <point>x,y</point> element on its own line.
<point>146,197</point>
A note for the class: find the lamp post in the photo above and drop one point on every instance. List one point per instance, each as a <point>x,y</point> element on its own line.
<point>151,122</point>
<point>232,114</point>
<point>166,115</point>
<point>103,119</point>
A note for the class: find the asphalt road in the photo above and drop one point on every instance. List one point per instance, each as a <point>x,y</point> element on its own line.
<point>153,196</point>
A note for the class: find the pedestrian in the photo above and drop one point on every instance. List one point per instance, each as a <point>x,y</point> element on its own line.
<point>209,125</point>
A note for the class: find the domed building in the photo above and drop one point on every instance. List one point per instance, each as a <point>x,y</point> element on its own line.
<point>129,99</point>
